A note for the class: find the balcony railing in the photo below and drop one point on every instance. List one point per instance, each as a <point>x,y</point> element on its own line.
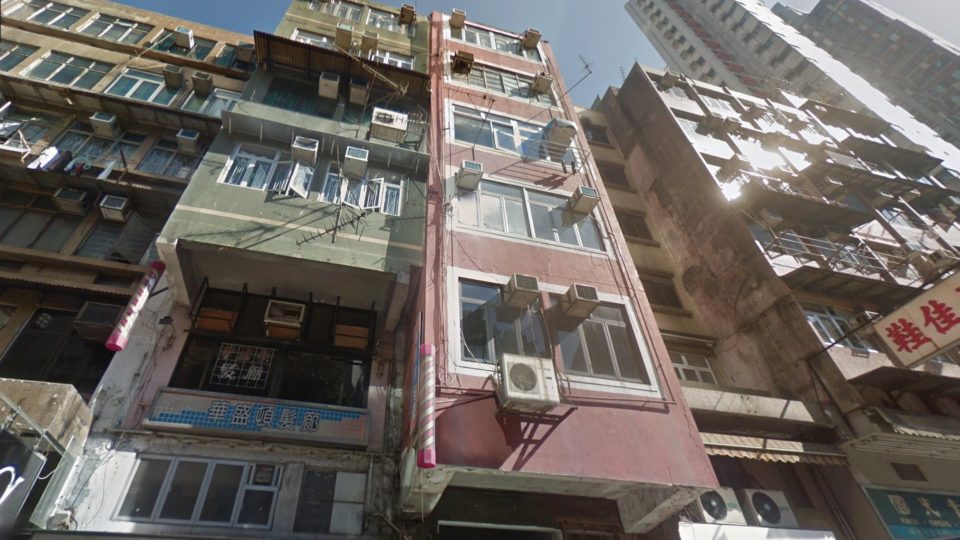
<point>776,184</point>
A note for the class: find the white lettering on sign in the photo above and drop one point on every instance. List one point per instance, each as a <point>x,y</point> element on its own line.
<point>13,481</point>
<point>926,326</point>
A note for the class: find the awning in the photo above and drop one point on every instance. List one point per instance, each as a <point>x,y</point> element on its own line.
<point>774,450</point>
<point>916,425</point>
<point>894,379</point>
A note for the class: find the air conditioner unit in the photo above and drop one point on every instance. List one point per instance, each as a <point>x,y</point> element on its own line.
<point>388,125</point>
<point>471,172</point>
<point>542,83</point>
<point>521,291</point>
<point>767,508</point>
<point>183,37</point>
<point>188,140</point>
<point>712,123</point>
<point>584,200</point>
<point>730,125</point>
<point>305,149</point>
<point>580,301</point>
<point>670,79</point>
<point>881,198</point>
<point>96,321</point>
<point>940,258</point>
<point>283,319</point>
<point>754,113</point>
<point>527,384</point>
<point>355,161</point>
<point>408,14</point>
<point>105,124</point>
<point>173,75</point>
<point>202,83</point>
<point>559,133</point>
<point>733,167</point>
<point>344,37</point>
<point>71,201</point>
<point>462,62</point>
<point>910,195</point>
<point>531,38</point>
<point>770,218</point>
<point>114,208</point>
<point>359,91</point>
<point>246,51</point>
<point>329,85</point>
<point>458,18</point>
<point>862,319</point>
<point>830,187</point>
<point>370,41</point>
<point>718,506</point>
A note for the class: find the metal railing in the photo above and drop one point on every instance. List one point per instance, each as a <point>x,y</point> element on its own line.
<point>777,184</point>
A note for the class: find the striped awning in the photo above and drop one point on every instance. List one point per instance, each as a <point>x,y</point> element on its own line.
<point>775,450</point>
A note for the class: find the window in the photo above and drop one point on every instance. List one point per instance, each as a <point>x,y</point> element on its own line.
<point>384,20</point>
<point>94,149</point>
<point>21,129</point>
<point>313,39</point>
<point>299,97</point>
<point>213,104</point>
<point>228,58</point>
<point>324,494</point>
<point>613,174</point>
<point>143,86</point>
<point>661,291</point>
<point>493,40</point>
<point>258,168</point>
<point>117,29</point>
<point>203,492</point>
<point>381,191</point>
<point>54,13</point>
<point>21,226</point>
<point>164,159</point>
<point>594,133</point>
<point>489,328</point>
<point>705,143</point>
<point>12,53</point>
<point>344,10</point>
<point>503,82</point>
<point>523,212</point>
<point>476,127</point>
<point>119,242</point>
<point>167,43</point>
<point>719,105</point>
<point>70,70</point>
<point>393,59</point>
<point>830,325</point>
<point>603,345</point>
<point>692,367</point>
<point>633,225</point>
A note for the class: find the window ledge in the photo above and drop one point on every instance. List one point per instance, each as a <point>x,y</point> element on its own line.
<point>670,310</point>
<point>527,101</point>
<point>529,240</point>
<point>515,155</point>
<point>497,51</point>
<point>570,382</point>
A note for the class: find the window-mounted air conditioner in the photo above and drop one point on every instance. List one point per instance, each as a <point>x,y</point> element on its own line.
<point>521,291</point>
<point>359,91</point>
<point>584,200</point>
<point>96,321</point>
<point>114,208</point>
<point>202,83</point>
<point>733,167</point>
<point>527,384</point>
<point>865,319</point>
<point>471,172</point>
<point>370,41</point>
<point>767,508</point>
<point>580,301</point>
<point>669,79</point>
<point>408,14</point>
<point>531,38</point>
<point>245,51</point>
<point>105,124</point>
<point>458,18</point>
<point>388,125</point>
<point>881,198</point>
<point>183,37</point>
<point>188,140</point>
<point>329,85</point>
<point>770,218</point>
<point>542,83</point>
<point>718,506</point>
<point>71,201</point>
<point>344,36</point>
<point>355,161</point>
<point>305,149</point>
<point>283,319</point>
<point>173,75</point>
<point>462,62</point>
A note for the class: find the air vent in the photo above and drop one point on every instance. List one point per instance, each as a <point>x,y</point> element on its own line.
<point>521,291</point>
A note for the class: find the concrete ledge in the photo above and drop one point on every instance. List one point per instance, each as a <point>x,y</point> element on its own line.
<point>735,402</point>
<point>56,408</point>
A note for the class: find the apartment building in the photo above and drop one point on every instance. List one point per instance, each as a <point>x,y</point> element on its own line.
<point>918,70</point>
<point>768,236</point>
<point>105,111</point>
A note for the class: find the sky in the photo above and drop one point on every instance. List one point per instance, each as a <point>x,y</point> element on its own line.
<point>598,32</point>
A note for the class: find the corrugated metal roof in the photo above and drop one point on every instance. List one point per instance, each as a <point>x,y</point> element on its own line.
<point>927,425</point>
<point>774,450</point>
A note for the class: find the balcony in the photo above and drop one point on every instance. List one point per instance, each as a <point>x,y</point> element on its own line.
<point>859,174</point>
<point>793,201</point>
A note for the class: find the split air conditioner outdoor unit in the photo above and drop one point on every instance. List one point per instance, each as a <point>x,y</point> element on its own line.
<point>718,506</point>
<point>344,37</point>
<point>71,201</point>
<point>245,51</point>
<point>114,208</point>
<point>96,321</point>
<point>370,41</point>
<point>767,508</point>
<point>388,125</point>
<point>355,161</point>
<point>462,62</point>
<point>359,91</point>
<point>202,83</point>
<point>542,83</point>
<point>408,14</point>
<point>188,140</point>
<point>527,384</point>
<point>531,38</point>
<point>105,124</point>
<point>183,37</point>
<point>584,200</point>
<point>173,75</point>
<point>458,18</point>
<point>329,85</point>
<point>283,319</point>
<point>580,301</point>
<point>471,172</point>
<point>305,149</point>
<point>521,291</point>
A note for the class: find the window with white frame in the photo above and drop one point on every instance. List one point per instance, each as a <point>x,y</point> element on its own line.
<point>168,43</point>
<point>259,168</point>
<point>503,82</point>
<point>489,328</point>
<point>476,127</point>
<point>12,53</point>
<point>831,325</point>
<point>391,58</point>
<point>520,211</point>
<point>381,191</point>
<point>85,146</point>
<point>494,41</point>
<point>143,86</point>
<point>52,13</point>
<point>116,29</point>
<point>703,142</point>
<point>164,159</point>
<point>70,70</point>
<point>202,492</point>
<point>692,367</point>
<point>21,129</point>
<point>213,103</point>
<point>319,40</point>
<point>339,8</point>
<point>384,20</point>
<point>719,105</point>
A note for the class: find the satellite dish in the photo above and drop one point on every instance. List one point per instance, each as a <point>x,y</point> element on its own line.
<point>523,377</point>
<point>766,508</point>
<point>714,505</point>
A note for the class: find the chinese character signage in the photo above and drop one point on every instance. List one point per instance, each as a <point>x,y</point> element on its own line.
<point>909,515</point>
<point>926,326</point>
<point>188,410</point>
<point>19,468</point>
<point>242,366</point>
